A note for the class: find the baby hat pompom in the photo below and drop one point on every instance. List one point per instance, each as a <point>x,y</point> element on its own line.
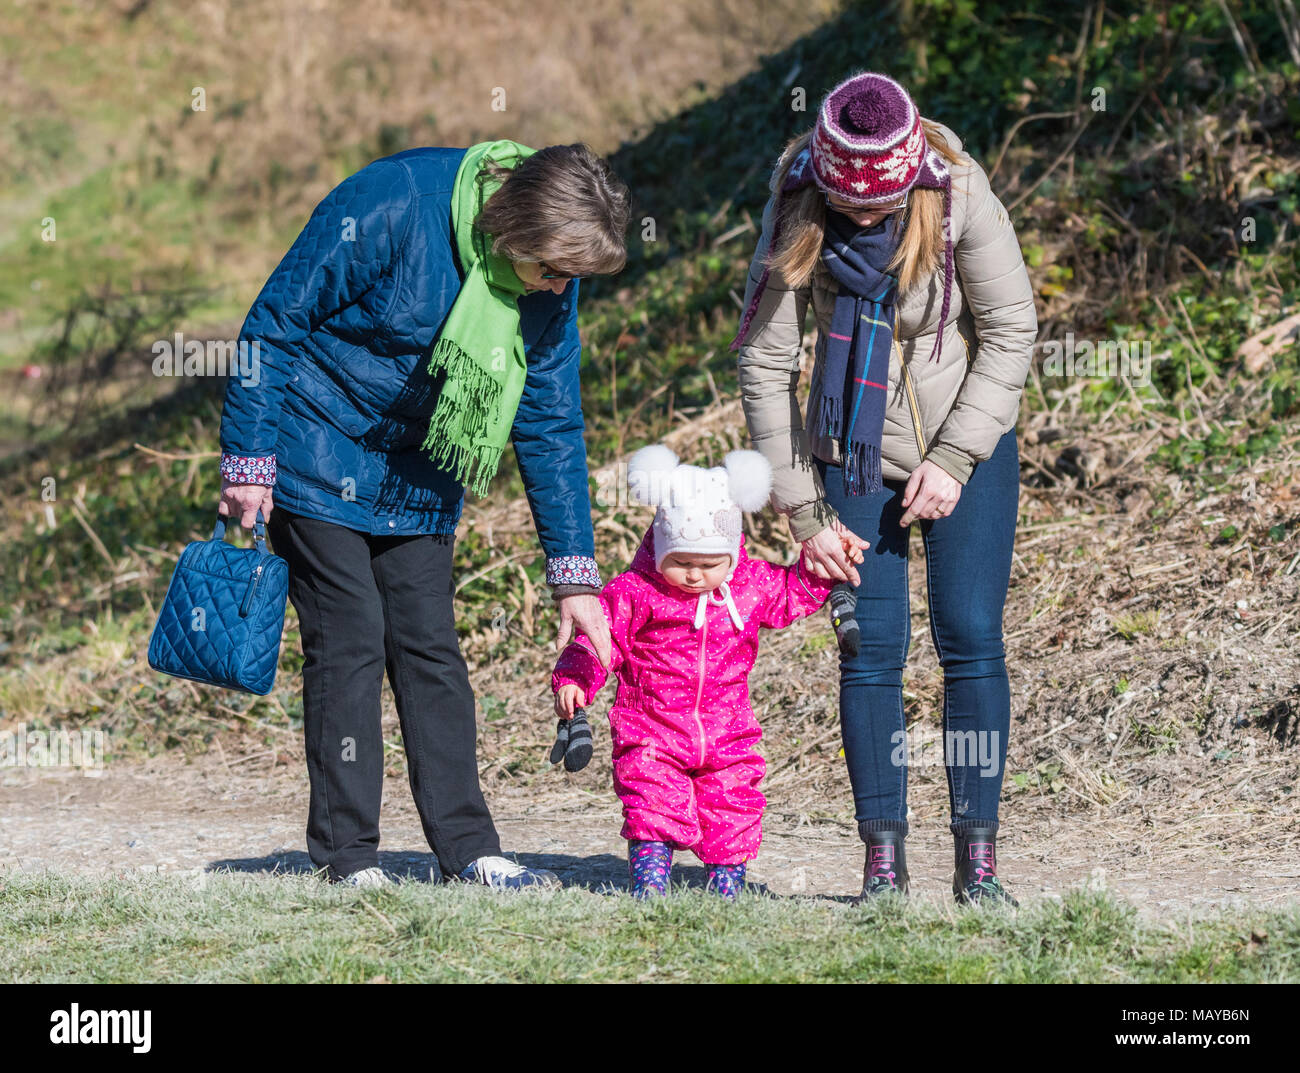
<point>648,471</point>
<point>749,479</point>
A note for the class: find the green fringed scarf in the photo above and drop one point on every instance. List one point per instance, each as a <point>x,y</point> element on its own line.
<point>480,346</point>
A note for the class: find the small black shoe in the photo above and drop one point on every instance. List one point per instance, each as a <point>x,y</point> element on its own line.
<point>573,742</point>
<point>975,875</point>
<point>885,871</point>
<point>843,603</point>
<point>578,752</point>
<point>561,741</point>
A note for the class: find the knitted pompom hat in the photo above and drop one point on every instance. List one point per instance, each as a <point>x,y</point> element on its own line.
<point>868,148</point>
<point>698,511</point>
<point>868,145</point>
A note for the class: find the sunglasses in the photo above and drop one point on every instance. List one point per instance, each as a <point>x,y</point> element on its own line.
<point>888,210</point>
<point>549,273</point>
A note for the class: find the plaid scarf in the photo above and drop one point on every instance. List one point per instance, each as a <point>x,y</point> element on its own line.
<point>851,402</point>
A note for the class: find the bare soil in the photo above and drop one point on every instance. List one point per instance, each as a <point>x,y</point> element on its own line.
<point>247,813</point>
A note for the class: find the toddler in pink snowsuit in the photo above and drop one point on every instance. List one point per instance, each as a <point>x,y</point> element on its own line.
<point>684,624</point>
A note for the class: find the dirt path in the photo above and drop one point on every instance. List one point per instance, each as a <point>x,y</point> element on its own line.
<point>248,814</point>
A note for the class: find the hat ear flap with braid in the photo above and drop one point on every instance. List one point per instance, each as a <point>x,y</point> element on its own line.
<point>648,473</point>
<point>749,479</point>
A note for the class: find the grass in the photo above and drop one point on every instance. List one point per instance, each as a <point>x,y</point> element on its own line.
<point>232,927</point>
<point>1130,626</point>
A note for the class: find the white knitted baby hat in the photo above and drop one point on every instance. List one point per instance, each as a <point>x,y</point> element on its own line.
<point>698,510</point>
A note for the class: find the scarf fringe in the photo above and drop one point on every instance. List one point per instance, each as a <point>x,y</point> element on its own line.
<point>831,415</point>
<point>861,468</point>
<point>466,419</point>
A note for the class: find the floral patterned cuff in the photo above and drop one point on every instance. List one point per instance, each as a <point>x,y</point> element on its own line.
<point>573,570</point>
<point>239,469</point>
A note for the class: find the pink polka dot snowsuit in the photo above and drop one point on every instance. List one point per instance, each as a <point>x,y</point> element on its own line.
<point>684,734</point>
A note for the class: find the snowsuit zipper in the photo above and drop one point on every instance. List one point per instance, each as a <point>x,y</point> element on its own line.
<point>699,689</point>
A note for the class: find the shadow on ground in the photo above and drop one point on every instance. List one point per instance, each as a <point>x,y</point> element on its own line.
<point>604,873</point>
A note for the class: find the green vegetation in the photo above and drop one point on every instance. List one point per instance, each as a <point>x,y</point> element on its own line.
<point>297,929</point>
<point>1131,218</point>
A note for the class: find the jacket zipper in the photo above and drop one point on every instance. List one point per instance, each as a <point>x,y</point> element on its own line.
<point>917,429</point>
<point>699,689</point>
<point>252,588</point>
<point>911,394</point>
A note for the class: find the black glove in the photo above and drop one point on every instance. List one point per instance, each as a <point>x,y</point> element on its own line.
<point>573,742</point>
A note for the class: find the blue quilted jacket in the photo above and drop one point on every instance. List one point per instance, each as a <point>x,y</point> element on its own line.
<point>342,398</point>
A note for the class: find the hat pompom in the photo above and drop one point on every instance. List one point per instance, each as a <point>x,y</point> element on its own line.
<point>647,474</point>
<point>749,479</point>
<point>866,112</point>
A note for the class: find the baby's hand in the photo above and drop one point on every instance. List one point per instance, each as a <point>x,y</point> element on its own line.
<point>851,551</point>
<point>567,698</point>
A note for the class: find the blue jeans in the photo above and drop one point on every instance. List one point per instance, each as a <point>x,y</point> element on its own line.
<point>968,561</point>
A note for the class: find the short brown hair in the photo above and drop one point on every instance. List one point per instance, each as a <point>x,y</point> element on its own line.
<point>562,205</point>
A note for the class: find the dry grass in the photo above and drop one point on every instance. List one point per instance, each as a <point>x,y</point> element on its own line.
<point>300,93</point>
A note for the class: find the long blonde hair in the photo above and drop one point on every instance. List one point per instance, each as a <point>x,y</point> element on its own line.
<point>803,222</point>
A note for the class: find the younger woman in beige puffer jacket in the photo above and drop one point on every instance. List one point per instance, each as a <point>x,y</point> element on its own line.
<point>961,316</point>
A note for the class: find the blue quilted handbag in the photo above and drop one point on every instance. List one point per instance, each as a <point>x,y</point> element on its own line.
<point>223,614</point>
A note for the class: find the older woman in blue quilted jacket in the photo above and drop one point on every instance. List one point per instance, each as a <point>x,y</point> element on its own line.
<point>425,316</point>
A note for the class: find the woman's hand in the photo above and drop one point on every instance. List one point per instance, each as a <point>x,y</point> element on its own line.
<point>568,697</point>
<point>243,501</point>
<point>833,552</point>
<point>931,492</point>
<point>584,611</point>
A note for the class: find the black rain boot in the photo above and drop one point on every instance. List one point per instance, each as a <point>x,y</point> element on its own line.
<point>975,876</point>
<point>843,603</point>
<point>885,871</point>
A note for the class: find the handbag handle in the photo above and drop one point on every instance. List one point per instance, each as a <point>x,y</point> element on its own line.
<point>259,531</point>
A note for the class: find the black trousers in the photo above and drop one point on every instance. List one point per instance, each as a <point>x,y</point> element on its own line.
<point>367,604</point>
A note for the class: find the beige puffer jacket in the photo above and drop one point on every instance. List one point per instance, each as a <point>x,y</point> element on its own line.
<point>952,412</point>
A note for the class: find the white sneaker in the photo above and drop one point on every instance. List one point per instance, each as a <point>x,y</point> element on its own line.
<point>502,874</point>
<point>367,879</point>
